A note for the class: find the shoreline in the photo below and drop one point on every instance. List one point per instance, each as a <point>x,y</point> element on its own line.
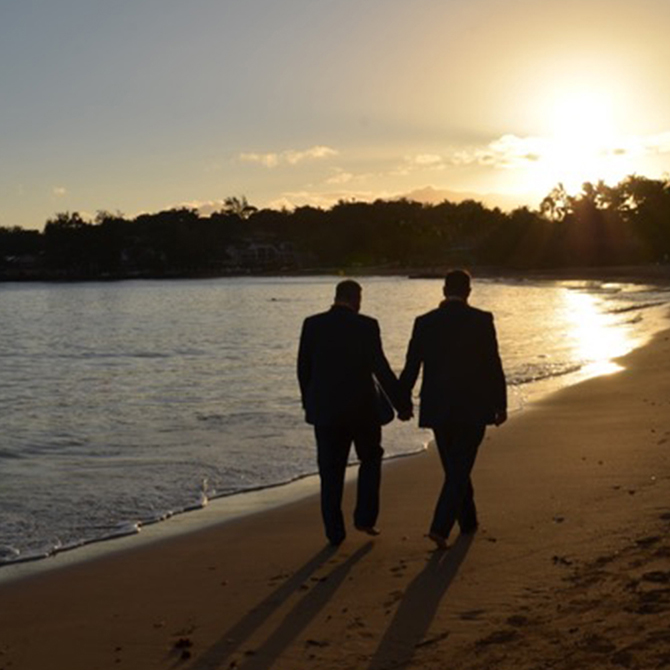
<point>218,511</point>
<point>231,507</point>
<point>652,272</point>
<point>573,495</point>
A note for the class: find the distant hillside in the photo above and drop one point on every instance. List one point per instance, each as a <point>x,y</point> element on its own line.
<point>434,196</point>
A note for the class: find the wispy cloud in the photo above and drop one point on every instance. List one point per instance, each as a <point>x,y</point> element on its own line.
<point>512,151</point>
<point>324,199</point>
<point>427,160</point>
<point>508,151</point>
<point>340,177</point>
<point>59,191</point>
<point>658,144</point>
<point>418,162</point>
<point>289,156</point>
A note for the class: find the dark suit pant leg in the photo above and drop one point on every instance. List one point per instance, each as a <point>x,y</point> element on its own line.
<point>457,444</point>
<point>333,444</point>
<point>367,442</point>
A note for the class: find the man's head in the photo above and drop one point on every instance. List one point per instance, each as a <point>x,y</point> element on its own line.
<point>457,284</point>
<point>348,294</point>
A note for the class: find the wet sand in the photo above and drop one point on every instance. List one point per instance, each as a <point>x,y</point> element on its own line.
<point>570,569</point>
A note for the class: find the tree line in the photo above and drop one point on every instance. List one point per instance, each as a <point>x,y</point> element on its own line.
<point>601,225</point>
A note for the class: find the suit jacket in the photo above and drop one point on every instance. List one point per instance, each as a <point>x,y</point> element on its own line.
<point>463,378</point>
<point>339,358</point>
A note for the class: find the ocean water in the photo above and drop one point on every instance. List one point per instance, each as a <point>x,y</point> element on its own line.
<point>122,404</point>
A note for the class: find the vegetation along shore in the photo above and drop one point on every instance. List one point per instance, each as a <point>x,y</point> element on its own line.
<point>602,226</point>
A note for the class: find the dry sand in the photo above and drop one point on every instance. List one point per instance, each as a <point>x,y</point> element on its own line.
<point>571,568</point>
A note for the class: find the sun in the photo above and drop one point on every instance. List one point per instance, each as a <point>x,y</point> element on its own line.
<point>582,141</point>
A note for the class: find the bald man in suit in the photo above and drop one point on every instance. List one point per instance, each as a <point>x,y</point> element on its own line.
<point>341,365</point>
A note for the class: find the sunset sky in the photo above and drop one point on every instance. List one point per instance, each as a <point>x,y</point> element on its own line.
<point>144,105</point>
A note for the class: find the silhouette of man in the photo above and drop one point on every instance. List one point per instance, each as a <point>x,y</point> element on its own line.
<point>339,358</point>
<point>463,389</point>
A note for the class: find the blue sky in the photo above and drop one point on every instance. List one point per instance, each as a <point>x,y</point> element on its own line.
<point>143,105</point>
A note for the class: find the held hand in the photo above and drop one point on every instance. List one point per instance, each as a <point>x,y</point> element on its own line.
<point>500,417</point>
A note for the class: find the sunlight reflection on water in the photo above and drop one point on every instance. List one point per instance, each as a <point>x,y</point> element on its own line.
<point>594,335</point>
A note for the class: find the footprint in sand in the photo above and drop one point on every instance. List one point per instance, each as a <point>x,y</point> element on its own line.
<point>317,643</point>
<point>394,597</point>
<point>658,636</point>
<point>471,615</point>
<point>399,569</point>
<point>657,577</point>
<point>561,560</point>
<point>598,644</point>
<point>518,620</point>
<point>498,637</point>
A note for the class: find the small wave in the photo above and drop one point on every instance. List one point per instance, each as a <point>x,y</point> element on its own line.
<point>594,286</point>
<point>636,319</point>
<point>529,375</point>
<point>12,556</point>
<point>10,456</point>
<point>8,554</point>
<point>635,308</point>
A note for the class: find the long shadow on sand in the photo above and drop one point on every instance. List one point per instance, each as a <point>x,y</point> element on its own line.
<point>417,609</point>
<point>294,622</point>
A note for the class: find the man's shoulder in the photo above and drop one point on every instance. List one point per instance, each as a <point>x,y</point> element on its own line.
<point>341,316</point>
<point>429,316</point>
<point>480,314</point>
<point>447,314</point>
<point>369,321</point>
<point>314,319</point>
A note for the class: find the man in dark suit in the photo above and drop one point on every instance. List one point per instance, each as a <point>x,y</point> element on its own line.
<point>463,389</point>
<point>339,358</point>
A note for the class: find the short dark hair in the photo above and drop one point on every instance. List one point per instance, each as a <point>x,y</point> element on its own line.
<point>457,283</point>
<point>348,291</point>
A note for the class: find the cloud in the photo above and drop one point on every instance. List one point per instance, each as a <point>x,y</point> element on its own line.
<point>315,153</point>
<point>417,162</point>
<point>288,157</point>
<point>340,177</point>
<point>427,160</point>
<point>512,151</point>
<point>59,191</point>
<point>269,160</point>
<point>325,199</point>
<point>508,151</point>
<point>658,144</point>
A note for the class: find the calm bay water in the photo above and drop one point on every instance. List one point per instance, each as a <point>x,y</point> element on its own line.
<point>123,403</point>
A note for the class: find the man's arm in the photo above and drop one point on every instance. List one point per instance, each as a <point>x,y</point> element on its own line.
<point>386,377</point>
<point>413,361</point>
<point>497,378</point>
<point>304,362</point>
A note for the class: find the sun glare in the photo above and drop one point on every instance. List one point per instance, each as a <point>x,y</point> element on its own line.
<point>582,143</point>
<point>595,339</point>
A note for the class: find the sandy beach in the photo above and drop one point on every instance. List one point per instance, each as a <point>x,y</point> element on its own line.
<point>570,569</point>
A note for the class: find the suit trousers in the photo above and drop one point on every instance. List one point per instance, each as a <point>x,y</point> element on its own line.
<point>457,444</point>
<point>333,448</point>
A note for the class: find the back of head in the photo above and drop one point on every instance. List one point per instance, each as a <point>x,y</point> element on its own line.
<point>457,284</point>
<point>348,292</point>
